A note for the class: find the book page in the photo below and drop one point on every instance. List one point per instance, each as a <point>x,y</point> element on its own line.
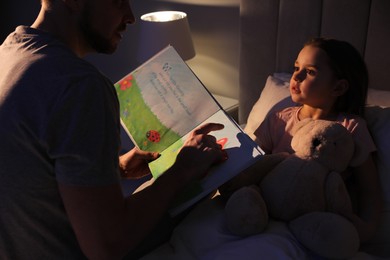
<point>161,101</point>
<point>242,152</point>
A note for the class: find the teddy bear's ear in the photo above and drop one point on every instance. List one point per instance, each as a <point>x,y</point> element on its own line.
<point>300,125</point>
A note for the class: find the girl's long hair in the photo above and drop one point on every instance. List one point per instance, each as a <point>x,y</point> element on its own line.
<point>348,64</point>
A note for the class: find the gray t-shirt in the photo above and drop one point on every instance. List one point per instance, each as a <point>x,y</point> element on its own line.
<point>59,123</point>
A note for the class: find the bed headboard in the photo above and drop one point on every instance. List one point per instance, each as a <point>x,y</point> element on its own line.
<point>273,31</point>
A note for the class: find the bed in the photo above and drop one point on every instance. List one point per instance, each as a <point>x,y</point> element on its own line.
<point>271,34</point>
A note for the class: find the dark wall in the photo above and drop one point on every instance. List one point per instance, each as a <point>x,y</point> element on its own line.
<point>16,12</point>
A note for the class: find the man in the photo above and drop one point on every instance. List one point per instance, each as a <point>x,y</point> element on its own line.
<point>59,133</point>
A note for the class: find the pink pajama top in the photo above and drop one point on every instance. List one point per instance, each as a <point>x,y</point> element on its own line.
<point>274,133</point>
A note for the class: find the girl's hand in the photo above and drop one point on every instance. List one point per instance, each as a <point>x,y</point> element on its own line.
<point>134,164</point>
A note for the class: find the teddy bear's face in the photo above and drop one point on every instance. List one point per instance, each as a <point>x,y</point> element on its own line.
<point>327,142</point>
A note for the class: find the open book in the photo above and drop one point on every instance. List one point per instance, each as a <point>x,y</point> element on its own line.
<point>161,102</point>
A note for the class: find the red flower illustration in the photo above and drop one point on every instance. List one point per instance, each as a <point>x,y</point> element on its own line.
<point>126,83</point>
<point>222,142</point>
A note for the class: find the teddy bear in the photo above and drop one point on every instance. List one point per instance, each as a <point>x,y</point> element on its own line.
<point>304,189</point>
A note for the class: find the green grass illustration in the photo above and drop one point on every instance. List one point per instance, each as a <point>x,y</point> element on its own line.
<point>140,120</point>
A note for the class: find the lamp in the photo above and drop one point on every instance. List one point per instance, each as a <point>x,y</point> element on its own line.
<point>160,29</point>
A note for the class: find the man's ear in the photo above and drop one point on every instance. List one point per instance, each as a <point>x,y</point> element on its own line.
<point>341,87</point>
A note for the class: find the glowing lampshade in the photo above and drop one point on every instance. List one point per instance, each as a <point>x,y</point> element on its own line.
<point>160,29</point>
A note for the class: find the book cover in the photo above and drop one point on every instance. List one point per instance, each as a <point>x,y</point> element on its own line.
<point>161,102</point>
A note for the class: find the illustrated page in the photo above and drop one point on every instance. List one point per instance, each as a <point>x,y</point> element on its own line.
<point>162,101</point>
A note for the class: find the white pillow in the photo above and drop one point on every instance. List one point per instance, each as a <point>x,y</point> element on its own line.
<point>378,121</point>
<point>275,96</point>
<point>378,97</point>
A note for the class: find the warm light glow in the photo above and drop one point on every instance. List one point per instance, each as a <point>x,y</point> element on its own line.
<point>160,29</point>
<point>223,3</point>
<point>163,16</point>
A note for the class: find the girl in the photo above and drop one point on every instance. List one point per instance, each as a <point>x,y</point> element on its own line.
<point>330,82</point>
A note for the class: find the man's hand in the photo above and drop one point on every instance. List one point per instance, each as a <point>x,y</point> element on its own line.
<point>199,152</point>
<point>134,164</point>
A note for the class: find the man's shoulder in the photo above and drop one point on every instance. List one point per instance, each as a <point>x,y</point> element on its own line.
<point>62,66</point>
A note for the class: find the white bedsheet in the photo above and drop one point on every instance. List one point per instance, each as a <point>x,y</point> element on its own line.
<point>203,235</point>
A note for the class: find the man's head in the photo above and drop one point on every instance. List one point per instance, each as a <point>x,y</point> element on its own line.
<point>103,23</point>
<point>87,25</point>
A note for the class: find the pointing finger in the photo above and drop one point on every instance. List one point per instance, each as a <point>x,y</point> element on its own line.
<point>207,128</point>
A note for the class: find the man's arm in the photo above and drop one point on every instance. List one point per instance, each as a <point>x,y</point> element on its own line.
<point>107,225</point>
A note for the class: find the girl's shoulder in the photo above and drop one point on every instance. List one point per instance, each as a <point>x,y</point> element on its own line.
<point>364,144</point>
<point>343,116</point>
<point>352,122</point>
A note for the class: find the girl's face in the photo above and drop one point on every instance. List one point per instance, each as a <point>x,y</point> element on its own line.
<point>313,82</point>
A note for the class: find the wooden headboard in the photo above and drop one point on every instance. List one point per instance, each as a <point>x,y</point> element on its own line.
<point>273,31</point>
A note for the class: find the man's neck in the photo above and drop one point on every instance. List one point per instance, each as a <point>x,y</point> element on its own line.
<point>62,25</point>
